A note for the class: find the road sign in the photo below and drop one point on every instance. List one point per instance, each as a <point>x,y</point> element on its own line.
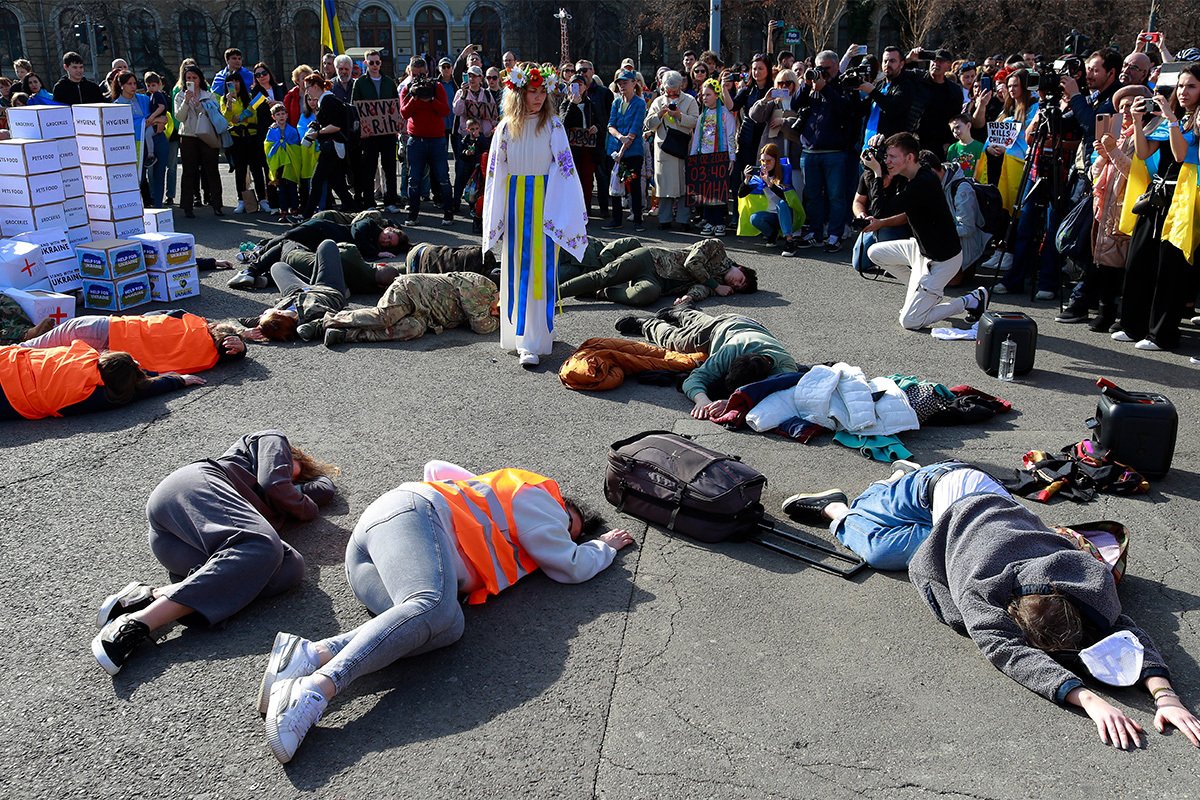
<point>792,36</point>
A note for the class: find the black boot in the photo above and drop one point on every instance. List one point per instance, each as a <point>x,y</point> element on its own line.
<point>1104,318</point>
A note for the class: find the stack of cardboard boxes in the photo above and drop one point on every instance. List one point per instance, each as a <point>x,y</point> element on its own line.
<point>114,274</point>
<point>108,164</point>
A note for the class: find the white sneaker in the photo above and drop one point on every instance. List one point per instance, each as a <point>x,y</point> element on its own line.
<point>907,466</point>
<point>1194,360</point>
<point>289,659</point>
<point>999,288</point>
<point>1196,321</point>
<point>707,230</point>
<point>1148,344</point>
<point>266,208</point>
<point>293,710</point>
<point>1044,295</point>
<point>241,207</point>
<point>528,359</point>
<point>1121,336</point>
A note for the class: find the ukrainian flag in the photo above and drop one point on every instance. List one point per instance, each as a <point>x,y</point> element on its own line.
<point>331,31</point>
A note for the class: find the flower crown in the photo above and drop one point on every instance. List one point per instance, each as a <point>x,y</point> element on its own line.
<point>519,79</point>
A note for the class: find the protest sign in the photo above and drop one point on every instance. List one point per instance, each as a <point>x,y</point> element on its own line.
<point>1003,133</point>
<point>379,117</point>
<point>708,178</point>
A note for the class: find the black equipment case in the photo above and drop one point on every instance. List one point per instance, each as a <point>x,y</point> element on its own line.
<point>994,328</point>
<point>1138,427</point>
<point>670,481</point>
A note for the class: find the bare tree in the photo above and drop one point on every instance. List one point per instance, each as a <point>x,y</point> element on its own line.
<point>918,18</point>
<point>819,18</point>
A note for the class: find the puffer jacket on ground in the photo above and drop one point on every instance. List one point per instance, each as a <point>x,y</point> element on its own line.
<point>838,398</point>
<point>601,364</point>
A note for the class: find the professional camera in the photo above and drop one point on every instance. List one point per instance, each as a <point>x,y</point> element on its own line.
<point>859,223</point>
<point>814,74</point>
<point>856,76</point>
<point>879,152</point>
<point>1050,74</point>
<point>423,87</point>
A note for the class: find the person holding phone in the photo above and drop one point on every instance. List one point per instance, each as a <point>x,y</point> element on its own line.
<point>672,118</point>
<point>199,144</point>
<point>580,118</point>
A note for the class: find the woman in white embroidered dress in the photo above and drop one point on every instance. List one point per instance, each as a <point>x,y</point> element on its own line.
<point>533,205</point>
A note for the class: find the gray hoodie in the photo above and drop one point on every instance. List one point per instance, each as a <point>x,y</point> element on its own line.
<point>967,216</point>
<point>987,549</point>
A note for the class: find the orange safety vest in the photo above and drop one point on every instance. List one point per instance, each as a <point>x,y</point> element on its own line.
<point>165,344</point>
<point>481,510</point>
<point>39,382</point>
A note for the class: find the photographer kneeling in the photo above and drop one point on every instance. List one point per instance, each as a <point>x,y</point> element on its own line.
<point>933,256</point>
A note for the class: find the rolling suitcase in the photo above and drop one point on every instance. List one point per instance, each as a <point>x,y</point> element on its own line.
<point>994,328</point>
<point>1139,428</point>
<point>670,481</point>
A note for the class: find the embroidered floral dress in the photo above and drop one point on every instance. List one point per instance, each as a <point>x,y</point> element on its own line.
<point>533,205</point>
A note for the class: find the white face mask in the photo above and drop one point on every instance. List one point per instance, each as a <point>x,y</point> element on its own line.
<point>1115,660</point>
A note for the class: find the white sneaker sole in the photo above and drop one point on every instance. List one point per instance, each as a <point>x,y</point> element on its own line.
<point>110,603</point>
<point>282,652</point>
<point>106,663</point>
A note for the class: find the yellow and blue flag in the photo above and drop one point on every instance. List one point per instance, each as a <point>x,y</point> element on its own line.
<point>331,31</point>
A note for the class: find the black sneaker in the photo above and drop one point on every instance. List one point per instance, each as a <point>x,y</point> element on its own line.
<point>133,597</point>
<point>631,324</point>
<point>1102,322</point>
<point>611,226</point>
<point>117,640</point>
<point>334,337</point>
<point>982,298</point>
<point>1072,315</point>
<point>308,331</point>
<point>639,227</point>
<point>809,507</point>
<point>832,246</point>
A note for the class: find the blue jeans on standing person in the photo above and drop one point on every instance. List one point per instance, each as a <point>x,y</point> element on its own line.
<point>772,222</point>
<point>422,152</point>
<point>157,174</point>
<point>401,567</point>
<point>825,193</point>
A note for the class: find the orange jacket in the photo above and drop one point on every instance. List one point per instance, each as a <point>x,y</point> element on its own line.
<point>482,512</point>
<point>165,344</point>
<point>601,364</point>
<point>40,382</point>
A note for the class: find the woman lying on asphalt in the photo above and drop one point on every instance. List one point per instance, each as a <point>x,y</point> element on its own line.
<point>214,526</point>
<point>1027,595</point>
<point>413,553</point>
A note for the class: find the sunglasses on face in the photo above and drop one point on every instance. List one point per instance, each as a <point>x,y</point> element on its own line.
<point>493,77</point>
<point>374,63</point>
<point>261,74</point>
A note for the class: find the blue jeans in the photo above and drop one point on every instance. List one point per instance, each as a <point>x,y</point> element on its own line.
<point>889,521</point>
<point>422,152</point>
<point>157,174</point>
<point>1032,229</point>
<point>400,568</point>
<point>825,198</point>
<point>858,255</point>
<point>772,222</point>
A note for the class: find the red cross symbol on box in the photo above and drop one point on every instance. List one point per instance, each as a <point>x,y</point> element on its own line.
<point>58,316</point>
<point>28,268</point>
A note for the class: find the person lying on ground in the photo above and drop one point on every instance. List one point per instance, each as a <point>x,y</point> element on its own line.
<point>161,341</point>
<point>369,231</point>
<point>1027,595</point>
<point>636,275</point>
<point>214,524</point>
<point>76,379</point>
<point>740,351</point>
<point>414,553</point>
<point>435,258</point>
<point>362,276</point>
<point>15,326</point>
<point>412,305</point>
<point>302,298</point>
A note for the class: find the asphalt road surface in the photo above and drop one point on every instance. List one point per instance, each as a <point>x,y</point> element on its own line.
<point>684,671</point>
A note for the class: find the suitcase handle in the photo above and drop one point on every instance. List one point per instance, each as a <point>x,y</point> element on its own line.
<point>768,524</point>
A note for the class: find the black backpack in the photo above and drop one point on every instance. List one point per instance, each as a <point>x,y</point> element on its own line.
<point>991,206</point>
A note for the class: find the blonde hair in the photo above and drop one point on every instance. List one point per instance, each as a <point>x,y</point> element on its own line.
<point>787,75</point>
<point>514,101</point>
<point>300,73</point>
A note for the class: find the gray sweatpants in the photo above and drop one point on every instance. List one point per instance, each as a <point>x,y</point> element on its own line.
<point>219,549</point>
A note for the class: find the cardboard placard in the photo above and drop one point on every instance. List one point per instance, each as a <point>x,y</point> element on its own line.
<point>21,263</point>
<point>68,153</point>
<point>110,259</point>
<point>103,119</point>
<point>29,156</point>
<point>379,117</point>
<point>101,179</point>
<point>708,178</point>
<point>167,251</point>
<point>75,209</point>
<point>38,304</point>
<point>175,284</point>
<point>159,220</point>
<point>42,122</point>
<point>113,207</point>
<point>120,229</point>
<point>18,219</point>
<point>31,190</point>
<point>1003,133</point>
<point>117,295</point>
<point>107,149</point>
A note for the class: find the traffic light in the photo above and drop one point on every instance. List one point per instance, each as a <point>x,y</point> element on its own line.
<point>101,39</point>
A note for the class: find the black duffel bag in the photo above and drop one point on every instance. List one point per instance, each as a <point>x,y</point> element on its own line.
<point>669,480</point>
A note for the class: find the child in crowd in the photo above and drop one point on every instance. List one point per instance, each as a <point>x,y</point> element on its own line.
<point>966,152</point>
<point>470,157</point>
<point>305,153</point>
<point>715,132</point>
<point>283,167</point>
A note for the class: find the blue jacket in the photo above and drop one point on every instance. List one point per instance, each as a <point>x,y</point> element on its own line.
<point>218,81</point>
<point>629,120</point>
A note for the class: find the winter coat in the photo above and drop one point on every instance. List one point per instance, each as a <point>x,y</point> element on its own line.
<point>670,173</point>
<point>838,398</point>
<point>601,364</point>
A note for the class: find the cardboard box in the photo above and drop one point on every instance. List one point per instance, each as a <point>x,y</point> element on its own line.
<point>53,241</point>
<point>121,229</point>
<point>159,220</point>
<point>116,295</point>
<point>64,276</point>
<point>103,119</point>
<point>42,122</point>
<point>18,219</point>
<point>21,263</point>
<point>29,156</point>
<point>107,149</point>
<point>68,153</point>
<point>31,190</point>
<point>167,251</point>
<point>174,284</point>
<point>100,179</point>
<point>110,259</point>
<point>41,303</point>
<point>112,207</point>
<point>79,234</point>
<point>72,182</point>
<point>76,212</point>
